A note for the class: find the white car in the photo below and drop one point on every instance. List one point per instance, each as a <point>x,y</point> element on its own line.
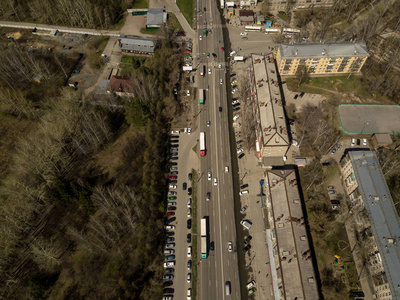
<point>220,81</point>
<point>189,202</point>
<point>189,251</point>
<point>364,142</point>
<point>236,117</point>
<point>226,169</point>
<point>172,187</point>
<point>220,66</point>
<point>215,181</point>
<point>200,37</point>
<point>353,142</point>
<point>234,91</point>
<point>171,193</point>
<point>169,264</point>
<point>189,212</point>
<point>232,53</point>
<point>189,277</point>
<point>230,247</point>
<point>189,130</point>
<point>171,204</point>
<point>175,132</point>
<point>189,294</point>
<point>188,93</point>
<point>209,176</point>
<point>169,227</point>
<point>243,33</point>
<point>209,71</point>
<point>235,102</point>
<point>240,151</point>
<point>243,192</point>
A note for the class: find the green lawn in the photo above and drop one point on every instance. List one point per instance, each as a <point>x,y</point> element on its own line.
<point>285,17</point>
<point>174,21</point>
<point>154,31</point>
<point>186,7</point>
<point>140,4</point>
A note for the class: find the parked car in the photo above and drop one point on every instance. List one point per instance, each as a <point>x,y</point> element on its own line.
<point>168,291</point>
<point>243,33</point>
<point>364,141</point>
<point>168,277</point>
<point>189,202</point>
<point>244,186</point>
<point>243,209</point>
<point>241,155</point>
<point>247,248</point>
<point>189,264</point>
<point>189,251</point>
<point>189,277</point>
<point>189,212</point>
<point>353,142</point>
<point>169,271</point>
<point>189,238</point>
<point>247,240</point>
<point>330,187</point>
<point>331,192</point>
<point>184,186</point>
<point>190,191</point>
<point>189,224</point>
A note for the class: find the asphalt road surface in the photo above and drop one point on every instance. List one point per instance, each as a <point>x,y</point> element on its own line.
<point>220,265</point>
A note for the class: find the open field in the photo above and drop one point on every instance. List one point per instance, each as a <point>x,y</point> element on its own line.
<point>186,7</point>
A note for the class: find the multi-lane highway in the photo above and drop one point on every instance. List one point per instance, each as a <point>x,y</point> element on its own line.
<point>221,265</point>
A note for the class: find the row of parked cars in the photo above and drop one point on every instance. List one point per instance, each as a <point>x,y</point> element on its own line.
<point>169,250</point>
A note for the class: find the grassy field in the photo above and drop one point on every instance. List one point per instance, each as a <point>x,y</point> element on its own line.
<point>285,17</point>
<point>186,7</point>
<point>149,31</point>
<point>140,4</point>
<point>174,21</point>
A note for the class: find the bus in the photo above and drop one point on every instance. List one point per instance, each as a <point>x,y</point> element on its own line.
<point>291,31</point>
<point>202,143</point>
<point>252,28</point>
<point>203,225</point>
<point>272,30</point>
<point>201,96</point>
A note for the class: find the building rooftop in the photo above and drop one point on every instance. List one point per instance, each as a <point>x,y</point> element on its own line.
<point>246,13</point>
<point>318,50</point>
<point>137,44</point>
<point>156,17</point>
<point>293,249</point>
<point>383,138</point>
<point>272,116</point>
<point>381,212</point>
<point>120,84</point>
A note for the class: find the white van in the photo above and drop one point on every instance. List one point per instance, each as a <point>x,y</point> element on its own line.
<point>245,192</point>
<point>246,224</point>
<point>228,288</point>
<point>236,117</point>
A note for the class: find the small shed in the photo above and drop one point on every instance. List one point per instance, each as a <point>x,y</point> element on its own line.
<point>381,140</point>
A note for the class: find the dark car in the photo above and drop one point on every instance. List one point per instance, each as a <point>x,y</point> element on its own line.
<point>170,239</point>
<point>174,137</point>
<point>189,238</point>
<point>302,94</point>
<point>208,196</point>
<point>212,246</point>
<point>172,177</point>
<point>244,186</point>
<point>189,224</point>
<point>204,9</point>
<point>174,158</point>
<point>247,240</point>
<point>170,233</point>
<point>233,74</point>
<point>296,96</point>
<point>175,145</point>
<point>173,181</point>
<point>173,163</point>
<point>236,109</point>
<point>236,105</point>
<point>190,191</point>
<point>220,108</point>
<point>174,173</point>
<point>247,248</point>
<point>170,213</point>
<point>168,291</point>
<point>171,208</point>
<point>215,55</point>
<point>174,141</point>
<point>190,176</point>
<point>169,271</point>
<point>239,142</point>
<point>184,186</point>
<point>241,155</point>
<point>168,283</point>
<point>169,221</point>
<point>189,264</point>
<point>174,154</point>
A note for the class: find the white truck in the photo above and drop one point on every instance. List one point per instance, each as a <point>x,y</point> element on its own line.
<point>246,224</point>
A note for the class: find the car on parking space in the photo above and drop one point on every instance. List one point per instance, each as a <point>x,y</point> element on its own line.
<point>247,248</point>
<point>238,147</point>
<point>168,277</point>
<point>169,271</point>
<point>244,38</point>
<point>209,176</point>
<point>234,82</point>
<point>189,212</point>
<point>190,177</point>
<point>188,93</point>
<point>236,108</point>
<point>189,202</point>
<point>170,213</point>
<point>169,251</point>
<point>252,291</point>
<point>247,240</point>
<point>236,105</point>
<point>230,246</point>
<point>244,186</point>
<point>169,221</point>
<point>241,155</point>
<point>171,207</point>
<point>333,151</point>
<point>173,154</point>
<point>189,130</point>
<point>168,283</point>
<point>189,264</point>
<point>190,191</point>
<point>234,91</point>
<point>240,151</point>
<point>189,238</point>
<point>243,33</point>
<point>331,192</point>
<point>169,233</point>
<point>171,204</point>
<point>236,117</point>
<point>172,150</point>
<point>302,94</point>
<point>189,224</point>
<point>358,142</point>
<point>215,181</point>
<point>175,132</point>
<point>189,277</point>
<point>172,186</point>
<point>209,71</point>
<point>235,102</point>
<point>170,257</point>
<point>189,294</point>
<point>172,193</point>
<point>243,192</point>
<point>184,186</point>
<point>168,291</point>
<point>208,196</point>
<point>296,96</point>
<point>220,81</point>
<point>173,181</point>
<point>250,284</point>
<point>330,187</point>
<point>364,141</point>
<point>208,123</point>
<point>170,245</point>
<point>189,251</point>
<point>212,246</point>
<point>169,227</point>
<point>243,209</point>
<point>172,198</point>
<point>174,158</point>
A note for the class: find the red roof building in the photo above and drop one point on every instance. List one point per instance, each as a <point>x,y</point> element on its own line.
<point>120,85</point>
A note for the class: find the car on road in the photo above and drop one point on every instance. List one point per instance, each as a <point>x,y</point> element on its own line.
<point>212,246</point>
<point>168,283</point>
<point>243,209</point>
<point>190,191</point>
<point>189,212</point>
<point>209,176</point>
<point>226,169</point>
<point>170,213</point>
<point>189,277</point>
<point>220,108</point>
<point>200,37</point>
<point>170,245</point>
<point>353,142</point>
<point>208,196</point>
<point>189,202</point>
<point>230,246</point>
<point>171,207</point>
<point>243,33</point>
<point>189,294</point>
<point>247,240</point>
<point>333,151</point>
<point>209,71</point>
<point>168,277</point>
<point>207,87</point>
<point>189,224</point>
<point>168,291</point>
<point>172,193</point>
<point>220,81</point>
<point>184,186</point>
<point>220,66</point>
<point>247,248</point>
<point>244,38</point>
<point>208,55</point>
<point>240,151</point>
<point>189,251</point>
<point>364,141</point>
<point>241,155</point>
<point>215,181</point>
<point>208,123</point>
<point>189,264</point>
<point>189,238</point>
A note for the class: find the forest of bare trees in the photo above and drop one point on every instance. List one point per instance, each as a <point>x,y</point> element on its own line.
<point>78,13</point>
